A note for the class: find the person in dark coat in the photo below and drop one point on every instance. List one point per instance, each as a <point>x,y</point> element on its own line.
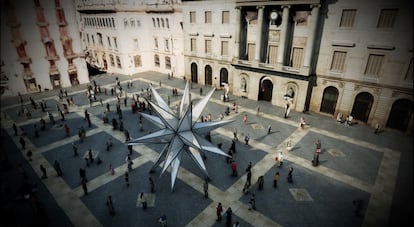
<point>228,217</point>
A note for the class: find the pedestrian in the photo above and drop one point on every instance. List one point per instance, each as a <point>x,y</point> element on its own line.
<point>163,220</point>
<point>318,146</point>
<point>269,129</point>
<point>75,149</point>
<point>22,142</point>
<point>219,210</point>
<point>249,167</point>
<point>90,154</point>
<point>82,174</point>
<point>290,177</point>
<point>143,201</point>
<point>29,155</point>
<point>260,182</point>
<point>275,179</point>
<point>246,187</point>
<point>84,187</point>
<point>287,110</point>
<point>127,138</point>
<point>67,129</point>
<point>56,165</point>
<point>151,184</point>
<point>108,144</point>
<point>205,187</point>
<point>43,169</point>
<point>235,134</point>
<point>42,124</point>
<point>228,217</point>
<point>249,177</point>
<point>377,128</point>
<point>110,206</point>
<point>129,162</point>
<point>252,202</point>
<point>15,129</point>
<point>201,91</point>
<point>111,169</point>
<point>36,131</point>
<point>130,149</point>
<point>245,118</point>
<point>107,107</point>
<point>257,110</point>
<point>126,176</point>
<point>280,158</point>
<point>234,168</point>
<point>302,123</point>
<point>247,138</point>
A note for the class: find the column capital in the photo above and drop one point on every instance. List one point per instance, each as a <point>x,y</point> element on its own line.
<point>315,6</point>
<point>238,7</point>
<point>285,6</point>
<point>260,7</point>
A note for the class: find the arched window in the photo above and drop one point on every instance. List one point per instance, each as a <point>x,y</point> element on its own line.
<point>167,23</point>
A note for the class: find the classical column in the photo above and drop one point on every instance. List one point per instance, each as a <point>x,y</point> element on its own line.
<point>282,37</point>
<point>310,42</point>
<point>259,33</point>
<point>237,35</point>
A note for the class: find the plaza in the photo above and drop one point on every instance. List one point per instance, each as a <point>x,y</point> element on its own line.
<point>355,164</point>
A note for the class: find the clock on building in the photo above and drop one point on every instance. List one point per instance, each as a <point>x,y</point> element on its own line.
<point>273,15</point>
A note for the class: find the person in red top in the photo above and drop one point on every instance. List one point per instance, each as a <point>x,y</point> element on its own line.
<point>67,129</point>
<point>234,168</point>
<point>219,210</point>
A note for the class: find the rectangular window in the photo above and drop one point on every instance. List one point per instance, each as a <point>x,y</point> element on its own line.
<point>207,17</point>
<point>207,46</point>
<point>137,61</point>
<point>136,46</point>
<point>348,18</point>
<point>93,40</point>
<point>192,17</point>
<point>338,61</point>
<point>157,60</point>
<point>87,38</point>
<point>156,43</point>
<point>225,18</point>
<point>297,57</point>
<point>118,61</point>
<point>409,74</point>
<point>272,54</point>
<point>109,41</point>
<point>138,23</point>
<point>132,22</point>
<point>374,64</point>
<point>115,43</point>
<point>193,45</point>
<point>167,62</point>
<point>224,48</point>
<point>387,18</point>
<point>251,48</point>
<point>167,46</point>
<point>111,59</point>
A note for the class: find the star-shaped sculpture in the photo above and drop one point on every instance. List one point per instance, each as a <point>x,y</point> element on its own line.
<point>180,132</point>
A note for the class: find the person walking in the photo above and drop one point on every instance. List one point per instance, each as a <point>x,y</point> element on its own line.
<point>269,129</point>
<point>90,154</point>
<point>82,174</point>
<point>15,129</point>
<point>234,168</point>
<point>56,165</point>
<point>252,202</point>
<point>260,182</point>
<point>151,184</point>
<point>84,187</point>
<point>163,220</point>
<point>130,149</point>
<point>219,210</point>
<point>67,130</point>
<point>290,177</point>
<point>110,206</point>
<point>126,177</point>
<point>75,149</point>
<point>377,128</point>
<point>275,179</point>
<point>235,138</point>
<point>43,169</point>
<point>280,159</point>
<point>246,139</point>
<point>302,123</point>
<point>22,142</point>
<point>229,217</point>
<point>245,118</point>
<point>111,169</point>
<point>249,177</point>
<point>201,91</point>
<point>205,187</point>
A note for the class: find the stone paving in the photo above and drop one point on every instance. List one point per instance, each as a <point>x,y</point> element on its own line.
<point>354,164</point>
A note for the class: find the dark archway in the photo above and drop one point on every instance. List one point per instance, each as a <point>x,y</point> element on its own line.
<point>329,99</point>
<point>208,73</point>
<point>224,76</point>
<point>194,76</point>
<point>265,90</point>
<point>362,106</point>
<point>400,114</point>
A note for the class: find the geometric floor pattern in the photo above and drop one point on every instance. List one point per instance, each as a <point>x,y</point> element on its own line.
<point>321,194</point>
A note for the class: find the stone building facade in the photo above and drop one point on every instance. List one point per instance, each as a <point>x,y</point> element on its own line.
<point>129,37</point>
<point>40,46</point>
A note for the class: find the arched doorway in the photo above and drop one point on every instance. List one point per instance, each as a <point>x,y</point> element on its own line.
<point>208,73</point>
<point>362,106</point>
<point>224,76</point>
<point>329,98</point>
<point>265,89</point>
<point>400,114</point>
<point>194,77</point>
